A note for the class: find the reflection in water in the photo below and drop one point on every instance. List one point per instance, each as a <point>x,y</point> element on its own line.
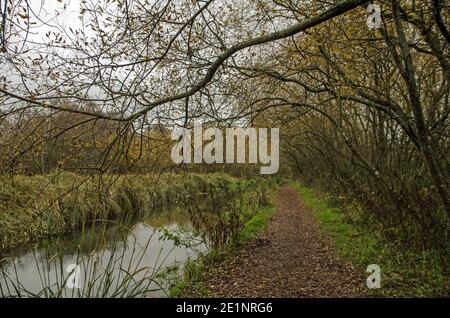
<point>126,259</point>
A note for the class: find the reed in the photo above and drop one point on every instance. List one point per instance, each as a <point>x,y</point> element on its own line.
<point>34,207</point>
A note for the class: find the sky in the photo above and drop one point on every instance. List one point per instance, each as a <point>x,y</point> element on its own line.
<point>53,14</point>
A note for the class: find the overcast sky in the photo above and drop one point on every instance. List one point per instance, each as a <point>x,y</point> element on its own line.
<point>55,13</point>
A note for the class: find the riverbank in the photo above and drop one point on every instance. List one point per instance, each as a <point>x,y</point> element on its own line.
<point>35,207</point>
<point>134,248</point>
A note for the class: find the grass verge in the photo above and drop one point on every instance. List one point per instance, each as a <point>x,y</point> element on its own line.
<point>404,273</point>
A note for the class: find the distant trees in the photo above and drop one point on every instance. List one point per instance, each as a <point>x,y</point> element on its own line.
<point>79,143</point>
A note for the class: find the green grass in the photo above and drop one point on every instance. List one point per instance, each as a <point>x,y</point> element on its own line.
<point>405,273</point>
<point>256,224</point>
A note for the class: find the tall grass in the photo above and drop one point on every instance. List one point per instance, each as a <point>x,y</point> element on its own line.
<point>33,207</point>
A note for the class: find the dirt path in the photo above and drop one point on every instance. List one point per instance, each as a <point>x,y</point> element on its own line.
<point>293,258</point>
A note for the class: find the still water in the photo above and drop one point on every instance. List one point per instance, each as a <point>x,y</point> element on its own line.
<point>105,259</point>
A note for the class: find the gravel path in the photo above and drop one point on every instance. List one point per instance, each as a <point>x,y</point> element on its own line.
<point>293,258</point>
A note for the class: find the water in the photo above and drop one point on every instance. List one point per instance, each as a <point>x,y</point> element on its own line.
<point>101,259</point>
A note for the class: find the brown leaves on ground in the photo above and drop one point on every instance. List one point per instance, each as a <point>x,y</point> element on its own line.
<point>293,258</point>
